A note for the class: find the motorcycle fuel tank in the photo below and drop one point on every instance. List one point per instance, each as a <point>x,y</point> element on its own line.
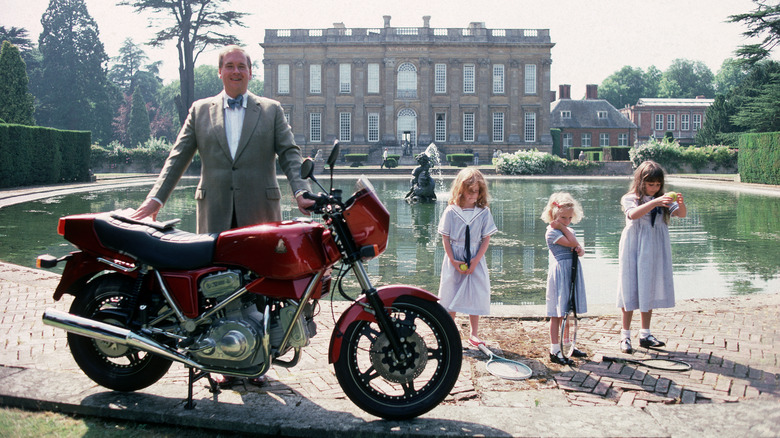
<point>278,250</point>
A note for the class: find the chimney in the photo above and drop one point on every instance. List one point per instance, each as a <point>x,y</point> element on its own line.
<point>701,96</point>
<point>426,21</point>
<point>592,91</point>
<point>565,91</point>
<point>387,20</point>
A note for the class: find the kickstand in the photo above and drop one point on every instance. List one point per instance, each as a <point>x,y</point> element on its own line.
<point>193,377</point>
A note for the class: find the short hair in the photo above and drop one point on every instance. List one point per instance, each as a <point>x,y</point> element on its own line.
<point>233,48</point>
<point>561,201</point>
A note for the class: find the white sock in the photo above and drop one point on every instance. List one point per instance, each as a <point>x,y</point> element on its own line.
<point>555,348</point>
<point>644,333</point>
<point>625,334</point>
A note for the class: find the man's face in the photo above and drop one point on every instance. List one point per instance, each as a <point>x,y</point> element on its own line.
<point>235,73</point>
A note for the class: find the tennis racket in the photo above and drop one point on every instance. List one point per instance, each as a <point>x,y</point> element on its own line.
<point>505,368</point>
<point>568,335</point>
<point>658,364</point>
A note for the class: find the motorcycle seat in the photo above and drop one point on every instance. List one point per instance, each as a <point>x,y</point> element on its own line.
<point>161,247</point>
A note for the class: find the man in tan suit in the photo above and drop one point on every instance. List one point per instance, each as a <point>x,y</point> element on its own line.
<point>238,136</point>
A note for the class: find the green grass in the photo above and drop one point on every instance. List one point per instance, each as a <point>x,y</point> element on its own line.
<point>18,423</point>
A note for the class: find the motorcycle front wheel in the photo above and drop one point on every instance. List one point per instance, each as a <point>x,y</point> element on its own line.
<point>113,366</point>
<point>401,388</point>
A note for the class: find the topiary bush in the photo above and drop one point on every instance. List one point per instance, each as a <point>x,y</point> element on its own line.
<point>356,160</point>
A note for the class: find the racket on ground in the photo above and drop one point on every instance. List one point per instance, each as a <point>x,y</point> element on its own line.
<point>568,335</point>
<point>658,364</point>
<point>505,368</point>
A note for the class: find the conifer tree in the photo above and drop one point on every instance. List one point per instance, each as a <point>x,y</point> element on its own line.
<point>139,130</point>
<point>16,103</point>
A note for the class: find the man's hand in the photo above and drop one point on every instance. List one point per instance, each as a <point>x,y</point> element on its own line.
<point>150,207</point>
<point>304,204</point>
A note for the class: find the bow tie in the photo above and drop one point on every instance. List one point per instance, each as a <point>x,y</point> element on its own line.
<point>236,103</point>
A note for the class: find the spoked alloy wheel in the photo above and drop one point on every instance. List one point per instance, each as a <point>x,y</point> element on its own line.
<point>400,388</point>
<point>113,366</point>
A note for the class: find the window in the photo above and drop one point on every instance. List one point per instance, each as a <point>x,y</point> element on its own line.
<point>407,81</point>
<point>283,79</point>
<point>565,114</point>
<point>345,78</point>
<point>315,79</point>
<point>469,73</point>
<point>498,127</point>
<point>696,122</point>
<point>530,127</point>
<point>345,127</point>
<point>440,78</point>
<point>373,127</point>
<point>685,122</point>
<point>407,121</point>
<point>373,78</point>
<point>601,115</point>
<point>585,140</point>
<point>315,127</point>
<point>530,79</point>
<point>670,119</point>
<point>659,122</point>
<point>498,79</point>
<point>622,139</point>
<point>568,140</point>
<point>603,139</point>
<point>468,127</point>
<point>440,134</point>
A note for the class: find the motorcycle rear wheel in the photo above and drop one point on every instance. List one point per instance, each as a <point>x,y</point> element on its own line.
<point>113,366</point>
<point>397,390</point>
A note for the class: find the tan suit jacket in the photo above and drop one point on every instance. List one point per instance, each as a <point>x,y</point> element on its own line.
<point>246,184</point>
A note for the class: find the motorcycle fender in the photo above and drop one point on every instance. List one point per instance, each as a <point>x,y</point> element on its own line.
<point>79,269</point>
<point>357,312</point>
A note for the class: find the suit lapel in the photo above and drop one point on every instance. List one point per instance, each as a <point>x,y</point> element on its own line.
<point>217,114</point>
<point>251,119</point>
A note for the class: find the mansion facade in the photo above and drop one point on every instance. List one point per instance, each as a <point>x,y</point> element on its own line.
<point>461,88</point>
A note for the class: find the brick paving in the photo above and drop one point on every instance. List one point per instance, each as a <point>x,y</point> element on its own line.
<point>731,343</point>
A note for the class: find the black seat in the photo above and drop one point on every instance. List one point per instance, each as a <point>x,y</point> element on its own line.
<point>163,247</point>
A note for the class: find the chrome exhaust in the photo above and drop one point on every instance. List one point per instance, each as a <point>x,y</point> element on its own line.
<point>109,333</point>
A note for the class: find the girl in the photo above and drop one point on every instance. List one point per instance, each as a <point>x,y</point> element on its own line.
<point>561,211</point>
<point>645,253</point>
<point>466,226</point>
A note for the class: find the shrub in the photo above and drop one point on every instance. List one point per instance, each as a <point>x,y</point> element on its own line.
<point>356,160</point>
<point>672,156</point>
<point>391,163</point>
<point>460,160</point>
<point>527,162</point>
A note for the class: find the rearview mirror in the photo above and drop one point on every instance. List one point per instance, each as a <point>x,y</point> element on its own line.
<point>307,168</point>
<point>334,154</point>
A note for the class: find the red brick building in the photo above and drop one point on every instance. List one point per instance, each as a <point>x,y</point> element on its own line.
<point>655,117</point>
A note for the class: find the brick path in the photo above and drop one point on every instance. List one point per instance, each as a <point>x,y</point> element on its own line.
<point>731,343</point>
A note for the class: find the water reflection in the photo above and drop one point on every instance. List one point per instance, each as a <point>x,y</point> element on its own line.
<point>727,245</point>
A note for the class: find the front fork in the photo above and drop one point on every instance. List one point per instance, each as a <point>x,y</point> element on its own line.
<point>378,308</point>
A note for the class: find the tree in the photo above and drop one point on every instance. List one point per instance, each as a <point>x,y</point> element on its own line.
<point>624,87</point>
<point>75,93</point>
<point>687,79</point>
<point>731,74</point>
<point>139,129</point>
<point>764,22</point>
<point>652,81</point>
<point>16,103</point>
<point>18,36</point>
<point>194,28</point>
<point>127,65</point>
<point>716,123</point>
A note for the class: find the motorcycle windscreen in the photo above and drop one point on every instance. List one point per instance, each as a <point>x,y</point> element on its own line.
<point>368,220</point>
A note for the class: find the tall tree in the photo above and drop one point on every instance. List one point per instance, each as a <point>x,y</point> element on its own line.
<point>17,36</point>
<point>16,103</point>
<point>194,26</point>
<point>75,92</point>
<point>139,129</point>
<point>624,87</point>
<point>687,79</point>
<point>731,74</point>
<point>127,65</point>
<point>764,22</point>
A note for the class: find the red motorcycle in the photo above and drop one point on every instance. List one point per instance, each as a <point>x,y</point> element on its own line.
<point>147,294</point>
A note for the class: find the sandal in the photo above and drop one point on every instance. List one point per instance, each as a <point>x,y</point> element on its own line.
<point>476,342</point>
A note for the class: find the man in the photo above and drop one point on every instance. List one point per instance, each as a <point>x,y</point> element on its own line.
<point>384,159</point>
<point>238,136</point>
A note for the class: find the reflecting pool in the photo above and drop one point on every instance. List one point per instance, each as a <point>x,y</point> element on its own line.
<point>727,245</point>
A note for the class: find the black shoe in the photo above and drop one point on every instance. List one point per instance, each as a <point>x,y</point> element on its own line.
<point>650,342</point>
<point>578,353</point>
<point>625,346</point>
<point>559,359</point>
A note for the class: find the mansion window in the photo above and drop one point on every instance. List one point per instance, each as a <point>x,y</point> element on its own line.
<point>440,78</point>
<point>659,122</point>
<point>603,139</point>
<point>622,139</point>
<point>440,134</point>
<point>373,127</point>
<point>585,140</point>
<point>283,79</point>
<point>498,127</point>
<point>468,127</point>
<point>696,122</point>
<point>345,78</point>
<point>469,78</point>
<point>670,122</point>
<point>315,79</point>
<point>530,127</point>
<point>685,122</point>
<point>315,127</point>
<point>568,140</point>
<point>602,115</point>
<point>498,79</point>
<point>530,79</point>
<point>565,114</point>
<point>372,85</point>
<point>345,127</point>
<point>407,81</point>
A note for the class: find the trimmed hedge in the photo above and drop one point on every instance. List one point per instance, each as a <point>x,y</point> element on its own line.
<point>759,158</point>
<point>616,153</point>
<point>460,160</point>
<point>593,153</point>
<point>356,160</point>
<point>31,155</point>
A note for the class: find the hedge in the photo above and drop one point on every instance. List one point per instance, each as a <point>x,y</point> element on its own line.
<point>32,155</point>
<point>593,153</point>
<point>460,160</point>
<point>356,159</point>
<point>759,158</point>
<point>616,153</point>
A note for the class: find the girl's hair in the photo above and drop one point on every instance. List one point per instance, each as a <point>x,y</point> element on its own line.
<point>648,171</point>
<point>467,178</point>
<point>561,201</point>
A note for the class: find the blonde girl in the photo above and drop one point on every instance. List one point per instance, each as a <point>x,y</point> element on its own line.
<point>645,252</point>
<point>561,211</point>
<point>466,226</point>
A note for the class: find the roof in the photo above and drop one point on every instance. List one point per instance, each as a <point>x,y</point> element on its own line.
<point>584,114</point>
<point>674,102</point>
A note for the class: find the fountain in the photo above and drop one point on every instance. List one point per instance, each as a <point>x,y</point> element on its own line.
<point>423,184</point>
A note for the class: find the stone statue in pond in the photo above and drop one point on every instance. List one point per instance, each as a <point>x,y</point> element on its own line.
<point>423,185</point>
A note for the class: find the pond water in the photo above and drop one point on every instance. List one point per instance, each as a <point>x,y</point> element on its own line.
<point>727,245</point>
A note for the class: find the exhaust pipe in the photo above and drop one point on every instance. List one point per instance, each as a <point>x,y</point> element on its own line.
<point>91,328</point>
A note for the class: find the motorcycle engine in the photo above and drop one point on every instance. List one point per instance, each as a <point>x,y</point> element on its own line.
<point>233,340</point>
